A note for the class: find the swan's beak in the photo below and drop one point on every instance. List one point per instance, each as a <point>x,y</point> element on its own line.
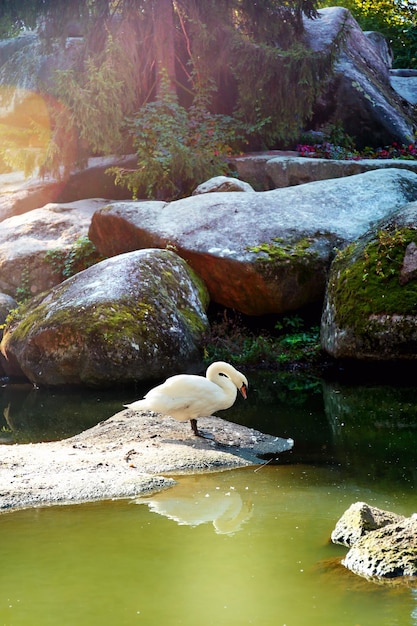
<point>244,391</point>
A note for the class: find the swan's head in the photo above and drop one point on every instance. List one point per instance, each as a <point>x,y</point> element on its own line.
<point>220,368</point>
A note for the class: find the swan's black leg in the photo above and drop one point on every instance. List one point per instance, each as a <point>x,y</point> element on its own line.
<point>194,427</point>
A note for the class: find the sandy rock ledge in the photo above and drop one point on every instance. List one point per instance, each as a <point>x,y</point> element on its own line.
<point>126,456</point>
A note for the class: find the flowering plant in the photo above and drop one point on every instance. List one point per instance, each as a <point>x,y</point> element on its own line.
<point>327,150</point>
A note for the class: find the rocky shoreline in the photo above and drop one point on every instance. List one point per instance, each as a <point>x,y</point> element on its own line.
<point>128,455</point>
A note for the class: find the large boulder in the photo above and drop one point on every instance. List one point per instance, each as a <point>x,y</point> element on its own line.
<point>137,316</point>
<point>259,253</point>
<point>370,305</point>
<point>26,239</point>
<point>285,171</point>
<point>359,94</point>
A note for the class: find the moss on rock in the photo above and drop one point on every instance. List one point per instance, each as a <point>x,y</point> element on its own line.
<point>365,279</point>
<point>370,310</point>
<point>137,316</point>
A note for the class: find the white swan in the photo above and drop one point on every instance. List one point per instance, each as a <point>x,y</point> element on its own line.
<point>187,397</point>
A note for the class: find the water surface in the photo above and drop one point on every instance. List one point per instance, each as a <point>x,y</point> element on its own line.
<point>239,547</point>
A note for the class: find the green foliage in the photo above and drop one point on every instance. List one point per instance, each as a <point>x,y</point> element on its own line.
<point>177,149</point>
<point>25,133</point>
<point>291,342</point>
<point>89,110</point>
<point>81,255</point>
<point>23,293</point>
<point>289,81</point>
<point>251,52</point>
<point>334,143</point>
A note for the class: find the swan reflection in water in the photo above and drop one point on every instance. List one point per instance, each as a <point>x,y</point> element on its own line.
<point>202,500</point>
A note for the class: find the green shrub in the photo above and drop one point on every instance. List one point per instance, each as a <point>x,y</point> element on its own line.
<point>81,255</point>
<point>177,149</point>
<point>291,341</point>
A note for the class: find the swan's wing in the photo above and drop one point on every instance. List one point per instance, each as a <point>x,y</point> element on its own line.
<point>185,397</point>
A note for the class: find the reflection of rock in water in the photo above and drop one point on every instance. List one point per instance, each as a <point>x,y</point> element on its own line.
<point>225,508</point>
<point>373,428</point>
<point>34,414</point>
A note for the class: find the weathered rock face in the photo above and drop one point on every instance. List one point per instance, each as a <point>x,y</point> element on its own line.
<point>369,310</point>
<point>222,183</point>
<point>382,544</point>
<point>258,253</point>
<point>283,171</point>
<point>30,64</point>
<point>134,317</point>
<point>382,46</point>
<point>388,553</point>
<point>360,94</point>
<point>26,239</point>
<point>404,82</point>
<point>360,519</point>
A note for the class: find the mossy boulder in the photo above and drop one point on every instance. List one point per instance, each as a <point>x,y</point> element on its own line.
<point>383,545</point>
<point>370,310</point>
<point>137,316</point>
<point>259,252</point>
<point>7,304</point>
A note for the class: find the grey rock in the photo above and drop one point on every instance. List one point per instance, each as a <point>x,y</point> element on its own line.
<point>223,184</point>
<point>387,553</point>
<point>26,239</point>
<point>409,268</point>
<point>359,94</point>
<point>288,171</point>
<point>382,45</point>
<point>133,317</point>
<point>360,519</point>
<point>124,457</point>
<point>259,253</point>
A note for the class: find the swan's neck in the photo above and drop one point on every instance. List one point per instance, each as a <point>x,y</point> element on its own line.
<point>217,374</point>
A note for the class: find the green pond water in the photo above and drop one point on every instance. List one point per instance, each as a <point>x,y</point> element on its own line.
<point>248,546</point>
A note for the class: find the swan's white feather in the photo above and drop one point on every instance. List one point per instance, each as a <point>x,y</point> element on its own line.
<point>187,396</point>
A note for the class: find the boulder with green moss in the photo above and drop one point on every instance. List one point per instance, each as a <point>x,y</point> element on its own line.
<point>138,316</point>
<point>264,252</point>
<point>371,302</point>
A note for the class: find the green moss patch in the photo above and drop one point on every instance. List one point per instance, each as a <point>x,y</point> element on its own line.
<point>280,250</point>
<point>365,279</point>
